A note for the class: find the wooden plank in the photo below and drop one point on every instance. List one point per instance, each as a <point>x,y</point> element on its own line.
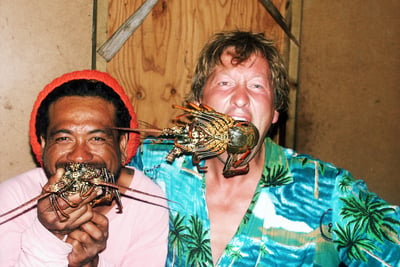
<point>293,70</point>
<point>119,37</point>
<point>275,13</point>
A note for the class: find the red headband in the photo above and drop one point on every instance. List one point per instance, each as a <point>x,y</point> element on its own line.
<point>133,142</point>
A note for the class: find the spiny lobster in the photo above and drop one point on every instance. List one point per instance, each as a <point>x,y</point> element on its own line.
<point>82,179</point>
<point>208,133</point>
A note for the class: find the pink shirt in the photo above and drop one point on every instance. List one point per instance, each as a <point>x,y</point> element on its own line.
<point>137,237</point>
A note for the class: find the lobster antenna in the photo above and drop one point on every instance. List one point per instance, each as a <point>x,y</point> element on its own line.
<point>136,130</point>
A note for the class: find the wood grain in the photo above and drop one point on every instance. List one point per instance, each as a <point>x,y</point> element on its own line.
<point>155,65</point>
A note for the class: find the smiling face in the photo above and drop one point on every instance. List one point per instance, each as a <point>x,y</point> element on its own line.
<point>78,131</point>
<point>242,91</point>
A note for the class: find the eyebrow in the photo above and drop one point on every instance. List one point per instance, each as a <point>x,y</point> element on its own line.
<point>53,133</point>
<point>106,131</point>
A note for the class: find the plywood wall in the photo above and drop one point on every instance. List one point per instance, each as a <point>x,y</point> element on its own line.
<point>348,106</point>
<point>155,65</point>
<point>39,41</point>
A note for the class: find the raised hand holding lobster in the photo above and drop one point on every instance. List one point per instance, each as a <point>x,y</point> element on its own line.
<point>81,225</point>
<point>75,215</point>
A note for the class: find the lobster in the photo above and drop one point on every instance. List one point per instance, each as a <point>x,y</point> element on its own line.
<point>82,179</point>
<point>207,133</point>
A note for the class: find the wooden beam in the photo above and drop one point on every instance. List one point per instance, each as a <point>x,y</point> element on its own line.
<point>276,15</point>
<point>117,40</point>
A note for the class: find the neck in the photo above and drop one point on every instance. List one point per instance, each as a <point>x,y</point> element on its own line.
<point>228,199</point>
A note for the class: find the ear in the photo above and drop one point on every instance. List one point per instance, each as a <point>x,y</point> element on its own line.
<point>42,143</point>
<point>123,147</point>
<point>275,117</point>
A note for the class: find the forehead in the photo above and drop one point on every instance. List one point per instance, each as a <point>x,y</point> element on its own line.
<point>230,60</point>
<point>79,105</point>
<point>230,57</point>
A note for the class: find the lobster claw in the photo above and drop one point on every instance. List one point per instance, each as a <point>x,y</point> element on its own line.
<point>232,163</point>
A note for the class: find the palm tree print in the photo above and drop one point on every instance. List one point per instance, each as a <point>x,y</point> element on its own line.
<point>234,253</point>
<point>321,167</point>
<point>351,239</point>
<point>346,183</point>
<point>263,252</point>
<point>275,176</point>
<point>198,244</point>
<point>177,236</point>
<point>370,213</point>
<point>249,211</point>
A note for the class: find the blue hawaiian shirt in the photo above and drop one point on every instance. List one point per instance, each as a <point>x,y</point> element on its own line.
<point>304,212</point>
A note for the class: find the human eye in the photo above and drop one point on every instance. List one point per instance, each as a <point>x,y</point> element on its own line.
<point>223,83</point>
<point>98,139</point>
<point>258,85</point>
<point>62,139</point>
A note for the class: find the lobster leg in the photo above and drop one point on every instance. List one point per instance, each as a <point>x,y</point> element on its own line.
<point>61,215</point>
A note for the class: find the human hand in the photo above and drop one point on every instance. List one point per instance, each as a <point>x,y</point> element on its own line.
<point>88,241</point>
<point>75,216</point>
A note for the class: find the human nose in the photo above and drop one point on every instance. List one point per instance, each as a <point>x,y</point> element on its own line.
<point>240,96</point>
<point>80,152</point>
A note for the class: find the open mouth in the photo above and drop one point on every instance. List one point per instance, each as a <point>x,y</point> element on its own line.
<point>240,118</point>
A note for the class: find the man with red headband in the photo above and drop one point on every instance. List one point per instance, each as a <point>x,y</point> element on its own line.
<point>72,122</point>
